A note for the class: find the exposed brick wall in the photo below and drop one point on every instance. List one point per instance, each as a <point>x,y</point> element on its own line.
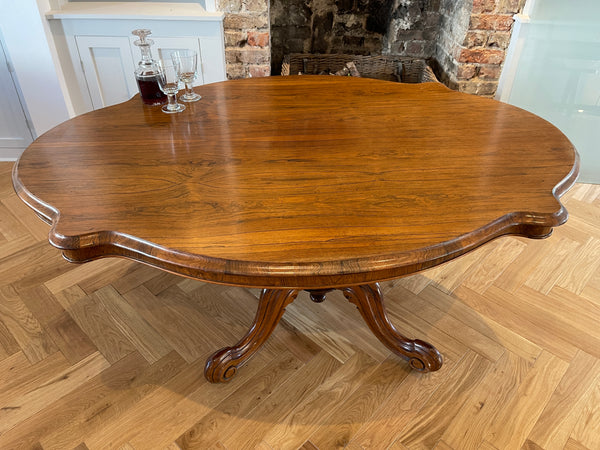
<point>466,40</point>
<point>247,37</point>
<point>471,60</point>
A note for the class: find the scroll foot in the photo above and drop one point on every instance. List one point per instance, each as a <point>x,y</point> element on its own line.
<point>223,364</point>
<point>421,355</point>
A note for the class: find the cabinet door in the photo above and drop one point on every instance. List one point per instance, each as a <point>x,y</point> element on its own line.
<point>15,134</point>
<point>109,68</point>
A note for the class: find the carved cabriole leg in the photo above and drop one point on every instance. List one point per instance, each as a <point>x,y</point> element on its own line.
<point>223,364</point>
<point>421,355</point>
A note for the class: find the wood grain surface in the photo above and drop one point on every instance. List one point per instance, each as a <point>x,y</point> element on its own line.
<point>298,182</point>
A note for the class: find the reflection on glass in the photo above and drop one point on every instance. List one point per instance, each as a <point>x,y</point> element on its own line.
<point>168,80</point>
<point>188,63</point>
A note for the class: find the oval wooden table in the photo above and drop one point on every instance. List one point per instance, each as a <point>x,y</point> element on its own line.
<point>299,183</point>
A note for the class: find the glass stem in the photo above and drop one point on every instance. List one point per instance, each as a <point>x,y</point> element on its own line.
<point>172,99</point>
<point>188,90</point>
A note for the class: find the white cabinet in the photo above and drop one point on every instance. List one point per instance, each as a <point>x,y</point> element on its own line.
<point>107,68</point>
<point>98,56</point>
<point>15,134</point>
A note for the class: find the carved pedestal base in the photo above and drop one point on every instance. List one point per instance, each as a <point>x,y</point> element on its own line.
<point>421,355</point>
<point>223,364</point>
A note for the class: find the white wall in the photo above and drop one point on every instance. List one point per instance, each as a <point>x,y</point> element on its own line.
<point>26,38</point>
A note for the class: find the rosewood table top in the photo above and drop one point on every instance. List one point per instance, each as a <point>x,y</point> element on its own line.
<point>291,183</point>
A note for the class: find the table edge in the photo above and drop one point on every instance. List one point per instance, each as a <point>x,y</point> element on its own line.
<point>317,274</point>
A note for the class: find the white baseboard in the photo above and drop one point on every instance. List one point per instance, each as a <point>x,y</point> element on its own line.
<point>10,154</point>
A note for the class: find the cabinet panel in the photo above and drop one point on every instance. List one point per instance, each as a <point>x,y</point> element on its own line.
<point>103,47</point>
<point>15,135</point>
<point>213,60</point>
<point>108,66</point>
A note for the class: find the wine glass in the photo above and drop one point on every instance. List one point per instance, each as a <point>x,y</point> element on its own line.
<point>168,81</point>
<point>188,62</point>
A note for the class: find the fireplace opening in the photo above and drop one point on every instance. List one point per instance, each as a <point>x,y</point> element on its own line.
<point>463,40</point>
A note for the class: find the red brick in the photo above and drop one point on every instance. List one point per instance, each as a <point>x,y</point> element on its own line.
<point>229,5</point>
<point>510,6</point>
<point>476,38</point>
<point>468,87</point>
<point>256,5</point>
<point>258,38</point>
<point>483,6</point>
<point>466,71</point>
<point>259,71</point>
<point>497,22</point>
<point>487,88</point>
<point>248,55</point>
<point>235,38</point>
<point>498,39</point>
<point>235,71</point>
<point>490,72</point>
<point>481,56</point>
<point>245,21</point>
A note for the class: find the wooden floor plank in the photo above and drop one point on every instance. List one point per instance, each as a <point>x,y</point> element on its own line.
<point>588,423</point>
<point>511,341</point>
<point>502,306</point>
<point>463,333</point>
<point>545,276</point>
<point>241,402</point>
<point>81,273</point>
<point>519,415</point>
<point>32,266</point>
<point>177,414</point>
<point>69,411</point>
<point>107,398</point>
<point>326,334</point>
<point>73,343</point>
<point>147,341</point>
<point>407,421</point>
<point>187,338</point>
<point>24,327</point>
<point>91,316</point>
<point>247,431</point>
<point>554,426</point>
<point>580,266</point>
<point>347,417</point>
<point>10,227</point>
<point>494,264</point>
<point>305,417</point>
<point>20,408</point>
<point>497,387</point>
<point>33,224</point>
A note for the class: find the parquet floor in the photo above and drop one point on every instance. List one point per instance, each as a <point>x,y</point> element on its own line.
<point>110,354</point>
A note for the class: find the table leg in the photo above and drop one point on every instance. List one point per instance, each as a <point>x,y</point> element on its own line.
<point>223,364</point>
<point>421,355</point>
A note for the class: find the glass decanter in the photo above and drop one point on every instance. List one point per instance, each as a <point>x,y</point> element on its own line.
<point>147,71</point>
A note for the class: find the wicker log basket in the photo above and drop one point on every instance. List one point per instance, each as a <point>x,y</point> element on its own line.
<point>390,68</point>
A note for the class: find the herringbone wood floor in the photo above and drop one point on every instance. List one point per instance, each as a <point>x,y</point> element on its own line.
<point>110,354</point>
